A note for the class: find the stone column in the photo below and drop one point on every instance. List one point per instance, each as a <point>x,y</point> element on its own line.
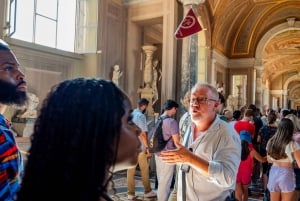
<point>267,92</point>
<point>148,50</point>
<point>239,87</point>
<point>285,101</point>
<point>189,63</point>
<point>147,91</point>
<point>213,70</point>
<point>258,86</point>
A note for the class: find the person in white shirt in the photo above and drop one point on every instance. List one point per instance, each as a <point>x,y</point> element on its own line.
<point>211,160</point>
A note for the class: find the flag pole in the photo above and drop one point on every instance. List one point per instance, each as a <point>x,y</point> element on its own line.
<point>192,55</point>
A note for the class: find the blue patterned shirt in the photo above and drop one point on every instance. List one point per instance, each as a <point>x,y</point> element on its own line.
<point>11,165</point>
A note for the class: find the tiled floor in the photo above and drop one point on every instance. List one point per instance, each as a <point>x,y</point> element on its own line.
<point>121,189</point>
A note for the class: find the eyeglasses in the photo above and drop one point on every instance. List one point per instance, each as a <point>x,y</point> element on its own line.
<point>202,100</point>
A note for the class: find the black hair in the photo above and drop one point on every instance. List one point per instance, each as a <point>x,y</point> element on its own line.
<point>221,98</point>
<point>271,118</point>
<point>252,107</point>
<point>73,143</point>
<point>245,150</point>
<point>284,112</point>
<point>169,104</point>
<point>143,101</point>
<point>237,114</point>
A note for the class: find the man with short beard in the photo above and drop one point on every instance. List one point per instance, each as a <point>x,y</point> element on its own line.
<point>12,91</point>
<point>139,118</point>
<point>211,158</point>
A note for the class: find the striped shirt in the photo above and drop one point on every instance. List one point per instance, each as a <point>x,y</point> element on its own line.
<point>11,164</point>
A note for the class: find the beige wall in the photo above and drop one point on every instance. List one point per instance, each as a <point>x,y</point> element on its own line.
<point>44,67</point>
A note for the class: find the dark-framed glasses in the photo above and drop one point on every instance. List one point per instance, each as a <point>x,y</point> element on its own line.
<point>202,100</point>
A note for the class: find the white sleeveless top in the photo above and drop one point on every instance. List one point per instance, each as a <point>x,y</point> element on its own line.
<point>289,149</point>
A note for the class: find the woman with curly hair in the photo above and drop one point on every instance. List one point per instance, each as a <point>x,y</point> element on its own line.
<point>83,134</point>
<point>282,150</point>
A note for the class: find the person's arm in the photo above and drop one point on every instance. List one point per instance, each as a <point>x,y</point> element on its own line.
<point>258,157</point>
<point>221,169</point>
<point>252,130</point>
<point>297,156</point>
<point>144,140</point>
<point>141,122</point>
<point>259,135</point>
<point>296,153</point>
<point>184,156</point>
<point>269,159</point>
<point>176,138</point>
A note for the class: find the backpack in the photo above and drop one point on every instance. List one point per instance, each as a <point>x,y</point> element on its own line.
<point>156,137</point>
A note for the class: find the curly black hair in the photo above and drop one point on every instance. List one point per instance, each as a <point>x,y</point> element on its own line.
<point>72,147</point>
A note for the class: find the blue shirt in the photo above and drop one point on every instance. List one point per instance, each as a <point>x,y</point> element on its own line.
<point>140,120</point>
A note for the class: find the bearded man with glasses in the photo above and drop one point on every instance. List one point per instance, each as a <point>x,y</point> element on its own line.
<point>212,152</point>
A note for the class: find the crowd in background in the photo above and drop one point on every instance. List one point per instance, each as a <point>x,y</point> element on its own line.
<point>262,126</point>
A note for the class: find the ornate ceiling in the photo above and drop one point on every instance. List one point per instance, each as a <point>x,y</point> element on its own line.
<point>239,25</point>
<point>237,28</point>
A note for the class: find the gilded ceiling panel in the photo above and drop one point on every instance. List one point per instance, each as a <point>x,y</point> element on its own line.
<point>282,55</point>
<point>238,25</point>
<point>225,21</point>
<point>242,39</point>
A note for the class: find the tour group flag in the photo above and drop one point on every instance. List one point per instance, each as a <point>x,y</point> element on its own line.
<point>188,26</point>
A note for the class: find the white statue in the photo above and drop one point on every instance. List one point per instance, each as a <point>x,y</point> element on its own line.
<point>156,71</point>
<point>30,110</point>
<point>117,73</point>
<point>230,103</point>
<point>220,88</point>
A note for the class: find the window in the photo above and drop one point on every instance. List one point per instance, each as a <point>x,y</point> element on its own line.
<point>87,25</point>
<point>50,23</point>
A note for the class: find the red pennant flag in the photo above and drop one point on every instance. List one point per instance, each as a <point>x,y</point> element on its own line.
<point>188,26</point>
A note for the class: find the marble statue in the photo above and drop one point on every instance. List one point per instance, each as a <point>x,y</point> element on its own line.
<point>230,103</point>
<point>148,89</point>
<point>117,73</point>
<point>220,88</point>
<point>156,71</point>
<point>31,109</point>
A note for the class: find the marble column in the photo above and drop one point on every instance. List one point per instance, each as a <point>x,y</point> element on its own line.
<point>213,70</point>
<point>239,93</point>
<point>148,50</point>
<point>285,101</point>
<point>258,87</point>
<point>267,92</point>
<point>146,91</point>
<point>189,63</point>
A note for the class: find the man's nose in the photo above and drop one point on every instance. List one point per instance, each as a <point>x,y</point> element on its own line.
<point>20,75</point>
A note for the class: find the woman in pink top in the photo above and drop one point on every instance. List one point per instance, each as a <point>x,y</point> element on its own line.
<point>245,169</point>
